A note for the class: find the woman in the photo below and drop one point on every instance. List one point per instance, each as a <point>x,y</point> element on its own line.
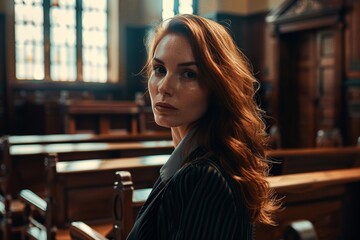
<point>213,186</point>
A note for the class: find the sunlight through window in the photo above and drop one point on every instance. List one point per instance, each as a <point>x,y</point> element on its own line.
<point>29,39</point>
<point>172,7</point>
<point>32,34</point>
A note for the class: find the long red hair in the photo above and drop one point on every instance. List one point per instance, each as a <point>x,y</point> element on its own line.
<point>232,128</point>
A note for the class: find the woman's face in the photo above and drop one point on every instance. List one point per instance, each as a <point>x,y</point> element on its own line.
<point>177,98</point>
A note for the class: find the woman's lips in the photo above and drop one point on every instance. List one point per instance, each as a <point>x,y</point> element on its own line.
<point>164,107</point>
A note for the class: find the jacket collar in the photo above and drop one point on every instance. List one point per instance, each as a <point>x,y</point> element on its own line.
<point>178,156</point>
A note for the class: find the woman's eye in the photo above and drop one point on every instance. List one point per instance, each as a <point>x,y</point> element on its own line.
<point>159,69</point>
<point>190,75</point>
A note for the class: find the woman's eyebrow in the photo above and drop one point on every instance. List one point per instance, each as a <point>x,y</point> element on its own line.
<point>184,64</point>
<point>158,60</point>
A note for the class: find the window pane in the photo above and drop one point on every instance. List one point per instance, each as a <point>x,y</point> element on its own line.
<point>63,41</point>
<point>94,49</point>
<point>186,6</point>
<point>29,39</point>
<point>167,9</point>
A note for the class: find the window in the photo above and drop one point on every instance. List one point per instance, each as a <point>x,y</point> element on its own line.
<point>61,40</point>
<point>173,7</point>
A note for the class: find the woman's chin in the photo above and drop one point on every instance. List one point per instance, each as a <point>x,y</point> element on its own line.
<point>163,124</point>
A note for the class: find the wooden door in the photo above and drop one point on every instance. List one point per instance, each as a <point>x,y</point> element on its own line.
<point>327,89</point>
<point>305,78</point>
<point>309,86</point>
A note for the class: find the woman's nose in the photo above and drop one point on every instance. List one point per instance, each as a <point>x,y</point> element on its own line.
<point>166,85</point>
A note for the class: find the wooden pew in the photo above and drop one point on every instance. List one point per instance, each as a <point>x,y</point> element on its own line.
<point>26,157</point>
<point>83,189</point>
<point>78,151</point>
<point>103,111</point>
<point>329,199</point>
<point>127,203</point>
<point>289,155</point>
<point>72,177</point>
<point>39,212</point>
<point>30,156</point>
<point>87,137</point>
<point>79,178</point>
<point>287,161</point>
<point>10,210</point>
<point>297,230</point>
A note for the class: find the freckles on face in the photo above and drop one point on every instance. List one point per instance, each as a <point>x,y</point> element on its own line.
<point>178,99</point>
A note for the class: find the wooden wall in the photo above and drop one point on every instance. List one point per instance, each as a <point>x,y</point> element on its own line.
<point>352,69</point>
<point>312,58</point>
<point>3,83</point>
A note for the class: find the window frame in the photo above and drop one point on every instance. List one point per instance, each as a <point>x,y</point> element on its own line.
<point>176,7</point>
<point>47,46</point>
<point>194,5</point>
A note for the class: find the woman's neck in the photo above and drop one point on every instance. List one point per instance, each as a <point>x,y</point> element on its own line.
<point>178,133</point>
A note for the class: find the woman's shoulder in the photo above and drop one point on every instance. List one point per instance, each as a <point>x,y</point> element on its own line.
<point>205,174</point>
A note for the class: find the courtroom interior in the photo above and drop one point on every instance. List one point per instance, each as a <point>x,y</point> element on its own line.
<point>80,149</point>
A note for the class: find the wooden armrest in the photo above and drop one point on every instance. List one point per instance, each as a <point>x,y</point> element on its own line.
<point>82,231</point>
<point>31,198</point>
<point>300,230</point>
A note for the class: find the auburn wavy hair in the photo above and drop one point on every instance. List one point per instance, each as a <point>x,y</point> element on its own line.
<point>232,129</point>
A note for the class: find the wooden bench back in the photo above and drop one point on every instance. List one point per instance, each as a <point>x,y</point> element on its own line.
<point>5,197</point>
<point>39,211</point>
<point>127,203</point>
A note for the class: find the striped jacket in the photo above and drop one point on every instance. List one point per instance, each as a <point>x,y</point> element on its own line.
<point>199,202</point>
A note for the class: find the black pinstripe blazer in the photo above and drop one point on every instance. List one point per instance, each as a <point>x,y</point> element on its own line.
<point>199,202</point>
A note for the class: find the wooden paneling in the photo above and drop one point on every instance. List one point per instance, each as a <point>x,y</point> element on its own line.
<point>352,36</point>
<point>3,85</point>
<point>135,59</point>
